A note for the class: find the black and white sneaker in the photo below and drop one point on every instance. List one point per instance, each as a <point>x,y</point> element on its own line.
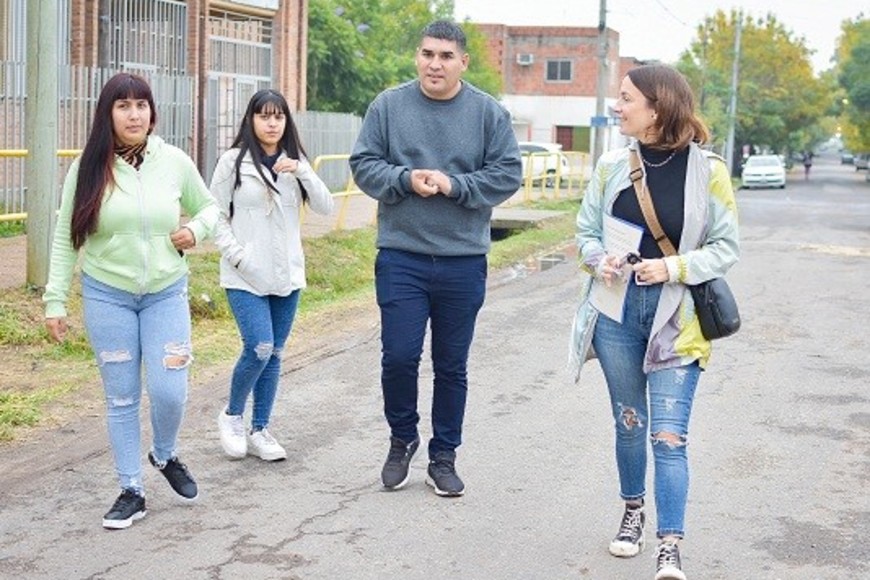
<point>178,476</point>
<point>629,539</point>
<point>668,565</point>
<point>129,507</point>
<point>442,475</point>
<point>394,475</point>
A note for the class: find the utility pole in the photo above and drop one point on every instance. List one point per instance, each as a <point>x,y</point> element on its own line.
<point>732,108</point>
<point>41,134</point>
<point>601,85</point>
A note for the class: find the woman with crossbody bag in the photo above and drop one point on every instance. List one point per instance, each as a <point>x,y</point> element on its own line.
<point>653,358</point>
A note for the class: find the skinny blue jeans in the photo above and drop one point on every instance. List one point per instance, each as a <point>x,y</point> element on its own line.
<point>264,324</point>
<point>128,332</point>
<point>445,292</point>
<point>647,406</point>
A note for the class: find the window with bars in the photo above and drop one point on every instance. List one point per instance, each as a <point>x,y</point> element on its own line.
<point>559,70</point>
<point>240,44</point>
<point>147,35</point>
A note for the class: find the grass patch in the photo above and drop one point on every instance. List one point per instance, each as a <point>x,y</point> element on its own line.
<point>9,229</point>
<point>340,271</point>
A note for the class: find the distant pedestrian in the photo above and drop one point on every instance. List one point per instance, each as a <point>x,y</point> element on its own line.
<point>121,209</point>
<point>261,184</point>
<point>808,164</point>
<point>437,154</point>
<point>652,358</point>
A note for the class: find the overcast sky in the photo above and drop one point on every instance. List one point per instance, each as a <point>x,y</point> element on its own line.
<point>662,29</point>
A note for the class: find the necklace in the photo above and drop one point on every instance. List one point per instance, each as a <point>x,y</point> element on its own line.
<point>665,162</point>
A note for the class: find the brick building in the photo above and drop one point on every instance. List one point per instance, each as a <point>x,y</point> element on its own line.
<point>203,58</point>
<point>550,77</point>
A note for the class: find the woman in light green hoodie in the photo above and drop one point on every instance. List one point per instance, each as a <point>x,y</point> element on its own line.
<point>121,209</point>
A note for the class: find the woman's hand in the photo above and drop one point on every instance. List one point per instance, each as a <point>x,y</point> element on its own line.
<point>610,269</point>
<point>651,271</point>
<point>183,238</point>
<point>57,328</point>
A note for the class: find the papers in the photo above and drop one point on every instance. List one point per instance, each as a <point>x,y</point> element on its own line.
<point>620,238</point>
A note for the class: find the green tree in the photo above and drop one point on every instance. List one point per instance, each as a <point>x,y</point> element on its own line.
<point>853,56</point>
<point>357,48</point>
<point>779,100</point>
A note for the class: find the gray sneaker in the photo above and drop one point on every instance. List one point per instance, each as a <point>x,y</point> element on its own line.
<point>629,539</point>
<point>394,475</point>
<point>668,565</point>
<point>442,475</point>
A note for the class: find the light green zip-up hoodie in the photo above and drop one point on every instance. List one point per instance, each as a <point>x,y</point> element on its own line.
<point>131,249</point>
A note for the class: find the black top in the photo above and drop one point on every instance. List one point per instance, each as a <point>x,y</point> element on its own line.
<point>666,181</point>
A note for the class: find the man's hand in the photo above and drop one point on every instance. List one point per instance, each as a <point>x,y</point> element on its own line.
<point>427,182</point>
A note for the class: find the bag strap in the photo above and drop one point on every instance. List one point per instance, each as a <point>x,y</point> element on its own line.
<point>646,205</point>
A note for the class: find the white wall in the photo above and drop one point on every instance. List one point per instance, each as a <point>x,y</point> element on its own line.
<point>536,117</point>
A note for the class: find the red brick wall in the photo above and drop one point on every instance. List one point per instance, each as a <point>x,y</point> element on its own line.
<point>577,44</point>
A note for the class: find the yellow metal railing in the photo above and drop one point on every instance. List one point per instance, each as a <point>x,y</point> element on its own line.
<point>345,195</point>
<point>545,177</point>
<point>19,153</point>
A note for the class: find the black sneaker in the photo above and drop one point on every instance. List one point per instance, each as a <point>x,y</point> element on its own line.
<point>629,539</point>
<point>129,507</point>
<point>178,476</point>
<point>394,475</point>
<point>442,475</point>
<point>668,565</point>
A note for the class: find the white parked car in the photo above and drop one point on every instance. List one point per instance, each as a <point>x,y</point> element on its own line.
<point>546,161</point>
<point>763,171</point>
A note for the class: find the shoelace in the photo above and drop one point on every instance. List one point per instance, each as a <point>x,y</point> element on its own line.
<point>267,438</point>
<point>667,555</point>
<point>237,427</point>
<point>630,522</point>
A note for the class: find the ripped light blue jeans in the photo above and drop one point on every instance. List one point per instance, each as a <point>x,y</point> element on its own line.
<point>128,332</point>
<point>264,323</point>
<point>655,406</point>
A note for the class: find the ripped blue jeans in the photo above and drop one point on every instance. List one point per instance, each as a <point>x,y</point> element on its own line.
<point>655,406</point>
<point>128,332</point>
<point>264,323</point>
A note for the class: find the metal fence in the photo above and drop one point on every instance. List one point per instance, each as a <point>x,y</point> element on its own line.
<point>78,90</point>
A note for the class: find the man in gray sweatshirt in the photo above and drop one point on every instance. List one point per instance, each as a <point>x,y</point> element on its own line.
<point>438,154</point>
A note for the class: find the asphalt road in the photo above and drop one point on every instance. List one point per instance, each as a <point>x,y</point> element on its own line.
<point>779,443</point>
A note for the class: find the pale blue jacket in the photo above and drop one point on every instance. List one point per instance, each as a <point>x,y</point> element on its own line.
<point>709,246</point>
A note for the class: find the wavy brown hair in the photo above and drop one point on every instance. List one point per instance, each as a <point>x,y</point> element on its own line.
<point>95,174</point>
<point>668,92</point>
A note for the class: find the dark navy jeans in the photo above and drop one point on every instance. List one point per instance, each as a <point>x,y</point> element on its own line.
<point>445,292</point>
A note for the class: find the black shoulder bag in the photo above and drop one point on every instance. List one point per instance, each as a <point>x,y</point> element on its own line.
<point>714,302</point>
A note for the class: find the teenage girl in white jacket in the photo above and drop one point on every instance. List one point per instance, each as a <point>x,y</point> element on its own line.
<point>261,184</point>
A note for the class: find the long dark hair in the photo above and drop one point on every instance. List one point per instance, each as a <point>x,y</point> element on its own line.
<point>670,95</point>
<point>266,101</point>
<point>98,158</point>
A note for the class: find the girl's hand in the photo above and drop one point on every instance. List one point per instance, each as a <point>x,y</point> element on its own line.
<point>286,165</point>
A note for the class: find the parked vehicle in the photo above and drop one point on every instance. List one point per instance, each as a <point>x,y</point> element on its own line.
<point>847,158</point>
<point>763,171</point>
<point>861,161</point>
<point>543,160</point>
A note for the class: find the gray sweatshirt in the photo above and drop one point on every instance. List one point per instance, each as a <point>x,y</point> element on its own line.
<point>468,137</point>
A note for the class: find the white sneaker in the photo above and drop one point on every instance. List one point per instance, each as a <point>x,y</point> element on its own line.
<point>264,446</point>
<point>232,429</point>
